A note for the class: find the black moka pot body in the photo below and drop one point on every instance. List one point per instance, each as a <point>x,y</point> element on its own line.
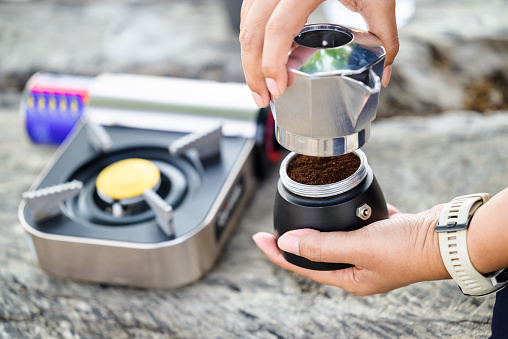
<point>340,212</point>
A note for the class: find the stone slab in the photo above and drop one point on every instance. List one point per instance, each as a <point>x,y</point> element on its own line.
<point>452,57</point>
<point>418,161</point>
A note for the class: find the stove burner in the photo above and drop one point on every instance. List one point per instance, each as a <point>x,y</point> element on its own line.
<point>111,197</point>
<point>125,181</point>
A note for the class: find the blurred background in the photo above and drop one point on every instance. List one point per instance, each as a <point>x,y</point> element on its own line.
<point>453,53</point>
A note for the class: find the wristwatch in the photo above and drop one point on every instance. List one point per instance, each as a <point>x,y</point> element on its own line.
<point>452,229</point>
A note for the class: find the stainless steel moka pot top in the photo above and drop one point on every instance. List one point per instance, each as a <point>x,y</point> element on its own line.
<point>334,78</point>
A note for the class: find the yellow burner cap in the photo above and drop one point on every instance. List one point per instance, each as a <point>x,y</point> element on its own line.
<point>127,178</point>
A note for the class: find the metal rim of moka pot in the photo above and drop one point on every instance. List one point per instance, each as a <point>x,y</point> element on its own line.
<point>334,78</point>
<point>324,191</point>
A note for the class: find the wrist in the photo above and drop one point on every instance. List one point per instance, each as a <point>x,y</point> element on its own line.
<point>437,269</point>
<point>477,248</point>
<point>426,252</point>
<point>486,240</point>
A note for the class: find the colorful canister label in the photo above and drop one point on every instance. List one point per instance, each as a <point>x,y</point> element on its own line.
<point>52,105</point>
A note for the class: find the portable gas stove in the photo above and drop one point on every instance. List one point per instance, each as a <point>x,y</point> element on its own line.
<point>151,206</point>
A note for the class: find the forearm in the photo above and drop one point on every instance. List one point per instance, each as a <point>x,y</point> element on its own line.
<point>487,237</point>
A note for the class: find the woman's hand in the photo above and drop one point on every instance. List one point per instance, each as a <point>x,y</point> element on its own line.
<point>268,27</point>
<point>387,254</point>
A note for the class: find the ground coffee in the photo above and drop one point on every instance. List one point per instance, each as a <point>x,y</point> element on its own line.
<point>322,170</point>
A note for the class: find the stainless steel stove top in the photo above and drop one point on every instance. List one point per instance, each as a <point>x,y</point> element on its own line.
<point>142,206</point>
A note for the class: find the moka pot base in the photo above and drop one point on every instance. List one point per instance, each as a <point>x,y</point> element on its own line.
<point>345,205</point>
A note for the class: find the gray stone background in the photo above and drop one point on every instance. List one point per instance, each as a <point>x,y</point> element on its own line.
<point>442,131</point>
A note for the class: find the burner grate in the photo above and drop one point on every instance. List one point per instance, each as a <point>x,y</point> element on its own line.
<point>88,205</point>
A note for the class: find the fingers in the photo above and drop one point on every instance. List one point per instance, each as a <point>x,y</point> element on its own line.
<point>246,5</point>
<point>338,247</point>
<point>268,244</point>
<point>387,73</point>
<point>392,209</point>
<point>266,34</point>
<point>343,278</point>
<point>355,280</point>
<point>380,18</point>
<point>394,212</point>
<point>280,32</point>
<point>255,15</point>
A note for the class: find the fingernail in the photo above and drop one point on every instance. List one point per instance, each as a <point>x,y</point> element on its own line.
<point>272,87</point>
<point>258,100</point>
<point>289,243</point>
<point>256,237</point>
<point>386,75</point>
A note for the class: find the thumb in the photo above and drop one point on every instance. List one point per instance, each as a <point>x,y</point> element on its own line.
<point>335,247</point>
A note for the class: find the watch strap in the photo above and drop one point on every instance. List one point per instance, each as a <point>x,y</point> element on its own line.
<point>452,229</point>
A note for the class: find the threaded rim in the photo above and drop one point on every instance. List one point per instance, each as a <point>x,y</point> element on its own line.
<point>323,191</point>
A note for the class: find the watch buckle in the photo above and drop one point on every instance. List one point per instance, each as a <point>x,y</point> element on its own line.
<point>453,226</point>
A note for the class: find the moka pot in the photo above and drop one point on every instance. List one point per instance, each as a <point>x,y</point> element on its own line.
<point>334,78</point>
<point>334,82</point>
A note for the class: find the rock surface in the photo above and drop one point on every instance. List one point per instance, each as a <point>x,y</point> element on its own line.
<point>419,162</point>
<point>452,56</point>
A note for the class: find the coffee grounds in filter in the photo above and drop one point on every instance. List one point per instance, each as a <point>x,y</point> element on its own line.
<point>322,170</point>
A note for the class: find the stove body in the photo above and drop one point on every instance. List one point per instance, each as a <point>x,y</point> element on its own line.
<point>165,240</point>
